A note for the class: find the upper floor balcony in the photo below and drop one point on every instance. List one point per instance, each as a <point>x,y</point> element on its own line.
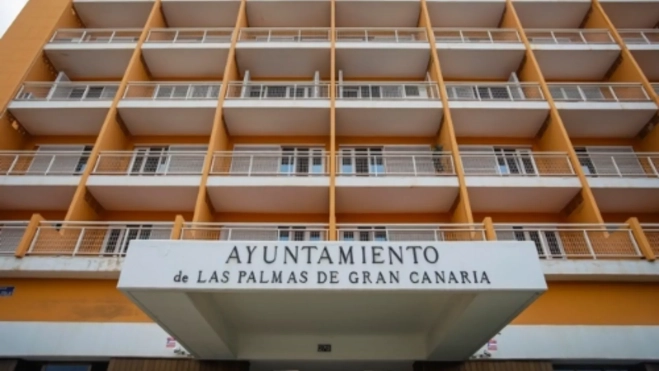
<point>189,52</point>
<point>113,13</point>
<point>288,13</point>
<point>63,108</point>
<point>622,180</point>
<point>40,180</point>
<point>479,53</point>
<point>551,13</point>
<point>277,108</point>
<point>86,53</point>
<point>377,13</point>
<point>270,179</point>
<point>492,109</point>
<point>603,109</point>
<point>402,53</point>
<point>284,52</point>
<point>11,233</point>
<point>255,232</point>
<point>632,14</point>
<point>169,108</point>
<point>200,13</point>
<point>380,108</point>
<point>644,46</point>
<point>163,178</point>
<point>394,179</point>
<point>573,54</point>
<point>518,180</point>
<point>460,13</point>
<point>410,232</point>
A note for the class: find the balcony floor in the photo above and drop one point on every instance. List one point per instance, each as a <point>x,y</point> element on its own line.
<point>459,13</point>
<point>205,61</point>
<point>480,62</point>
<point>605,119</point>
<point>168,117</point>
<point>32,192</point>
<point>575,62</point>
<point>91,61</point>
<point>647,57</point>
<point>113,14</point>
<point>384,118</point>
<point>273,117</point>
<point>200,13</point>
<point>284,60</point>
<point>626,195</point>
<point>498,119</point>
<point>394,60</point>
<point>60,117</point>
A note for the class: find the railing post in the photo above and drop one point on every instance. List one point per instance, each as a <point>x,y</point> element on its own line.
<point>29,236</point>
<point>490,232</point>
<point>589,245</point>
<point>79,241</point>
<point>15,161</point>
<point>643,36</point>
<point>177,228</point>
<point>582,37</point>
<point>654,168</point>
<point>50,164</point>
<point>251,162</point>
<point>414,164</point>
<point>640,239</point>
<point>613,161</point>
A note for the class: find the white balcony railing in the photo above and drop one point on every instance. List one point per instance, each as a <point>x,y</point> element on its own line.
<point>95,36</point>
<point>150,163</point>
<point>381,35</point>
<point>277,91</point>
<point>569,36</point>
<point>561,241</point>
<point>352,163</point>
<point>105,239</point>
<point>649,36</point>
<point>268,163</point>
<point>275,35</point>
<point>189,35</point>
<point>411,232</point>
<point>623,165</point>
<point>43,162</point>
<point>598,92</point>
<point>519,163</point>
<point>254,232</point>
<point>67,91</point>
<point>476,35</point>
<point>651,232</point>
<point>387,91</point>
<point>11,233</point>
<point>494,92</point>
<point>172,91</point>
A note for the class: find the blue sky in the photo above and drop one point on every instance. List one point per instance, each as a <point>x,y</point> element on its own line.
<point>9,9</point>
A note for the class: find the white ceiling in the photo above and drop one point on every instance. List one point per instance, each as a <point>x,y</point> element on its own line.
<point>393,61</point>
<point>200,13</point>
<point>291,13</point>
<point>625,198</point>
<point>149,197</point>
<point>550,197</point>
<point>151,119</point>
<point>589,63</point>
<point>479,64</point>
<point>459,13</point>
<point>387,119</point>
<point>408,198</point>
<point>113,14</point>
<point>275,61</point>
<point>498,119</point>
<point>648,60</point>
<point>374,13</point>
<point>82,62</point>
<point>270,118</point>
<point>38,197</point>
<point>66,120</point>
<point>551,14</point>
<point>632,13</point>
<point>605,120</point>
<point>177,61</point>
<point>265,198</point>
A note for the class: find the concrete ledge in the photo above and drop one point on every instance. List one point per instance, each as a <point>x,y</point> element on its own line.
<point>601,270</point>
<point>61,267</point>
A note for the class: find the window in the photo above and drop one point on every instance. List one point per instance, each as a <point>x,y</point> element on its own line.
<point>65,367</point>
<point>547,242</point>
<point>298,234</point>
<point>364,234</point>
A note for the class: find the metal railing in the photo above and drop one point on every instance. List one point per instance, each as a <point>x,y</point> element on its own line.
<point>67,91</point>
<point>275,35</point>
<point>11,233</point>
<point>520,163</point>
<point>411,232</point>
<point>598,92</point>
<point>95,36</point>
<point>494,91</point>
<point>569,36</point>
<point>476,35</point>
<point>652,234</point>
<point>94,238</point>
<point>562,241</point>
<point>254,232</point>
<point>189,35</point>
<point>620,164</point>
<point>387,91</point>
<point>649,36</point>
<point>381,35</point>
<point>262,163</point>
<point>277,90</point>
<point>43,162</point>
<point>395,164</point>
<point>172,91</point>
<point>150,163</point>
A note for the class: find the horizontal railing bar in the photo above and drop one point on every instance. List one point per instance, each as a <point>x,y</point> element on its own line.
<point>128,224</point>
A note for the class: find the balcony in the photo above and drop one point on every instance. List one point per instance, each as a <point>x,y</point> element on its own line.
<point>377,13</point>
<point>479,53</point>
<point>288,13</point>
<point>169,108</point>
<point>644,46</point>
<point>652,233</point>
<point>378,109</point>
<point>284,52</point>
<point>92,53</point>
<point>459,13</point>
<point>623,182</point>
<point>254,232</point>
<point>597,110</point>
<point>200,13</point>
<point>63,108</point>
<point>574,241</point>
<point>394,181</point>
<point>573,54</point>
<point>410,232</point>
<point>112,13</point>
<point>270,181</point>
<point>519,180</point>
<point>277,108</point>
<point>40,180</point>
<point>497,109</point>
<point>147,180</point>
<point>189,52</point>
<point>631,13</point>
<point>11,233</point>
<point>403,53</point>
<point>551,13</point>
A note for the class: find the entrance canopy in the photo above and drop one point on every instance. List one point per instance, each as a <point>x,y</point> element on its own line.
<point>312,300</point>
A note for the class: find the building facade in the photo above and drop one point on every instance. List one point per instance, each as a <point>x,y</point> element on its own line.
<point>320,185</point>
